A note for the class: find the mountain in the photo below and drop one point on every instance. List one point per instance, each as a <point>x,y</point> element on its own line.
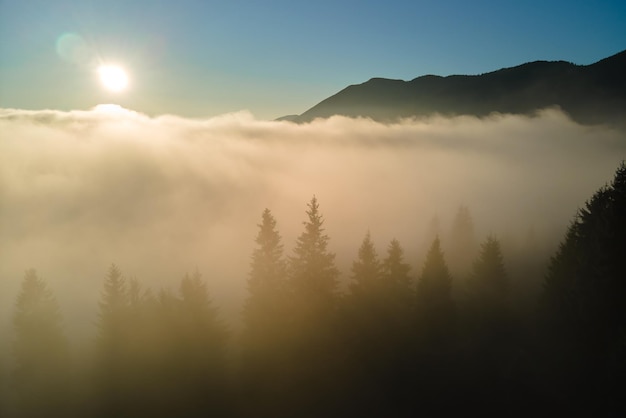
<point>590,94</point>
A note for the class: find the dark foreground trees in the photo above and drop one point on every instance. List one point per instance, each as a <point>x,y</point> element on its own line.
<point>585,304</point>
<point>489,337</point>
<point>387,346</point>
<point>375,330</point>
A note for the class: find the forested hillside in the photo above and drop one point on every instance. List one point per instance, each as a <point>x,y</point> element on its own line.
<point>589,94</point>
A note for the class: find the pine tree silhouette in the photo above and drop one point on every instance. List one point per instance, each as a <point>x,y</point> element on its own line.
<point>265,322</point>
<point>435,307</point>
<point>113,346</point>
<point>312,271</point>
<point>42,365</point>
<point>584,295</point>
<point>366,271</point>
<point>313,347</point>
<point>490,331</point>
<point>435,330</point>
<point>488,283</point>
<point>263,309</point>
<point>200,350</point>
<point>377,328</point>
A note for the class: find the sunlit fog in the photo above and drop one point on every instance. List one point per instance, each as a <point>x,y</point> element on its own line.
<point>163,198</point>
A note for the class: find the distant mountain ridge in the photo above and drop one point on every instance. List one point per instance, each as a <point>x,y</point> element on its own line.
<point>590,94</point>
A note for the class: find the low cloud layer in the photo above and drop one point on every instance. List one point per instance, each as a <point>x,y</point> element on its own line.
<point>166,195</point>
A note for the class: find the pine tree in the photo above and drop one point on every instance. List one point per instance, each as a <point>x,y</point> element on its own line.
<point>398,301</point>
<point>144,355</point>
<point>377,328</point>
<point>488,300</point>
<point>366,302</point>
<point>266,282</point>
<point>435,330</point>
<point>488,284</point>
<point>312,355</point>
<point>312,271</point>
<point>397,283</point>
<point>584,295</point>
<point>175,359</point>
<point>114,364</point>
<point>41,374</point>
<point>435,306</point>
<point>367,271</point>
<point>490,332</point>
<point>201,319</point>
<point>585,276</point>
<point>395,270</point>
<point>139,320</point>
<point>200,354</point>
<point>265,320</point>
<point>114,306</point>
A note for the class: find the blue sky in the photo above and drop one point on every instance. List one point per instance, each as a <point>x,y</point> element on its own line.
<point>203,58</point>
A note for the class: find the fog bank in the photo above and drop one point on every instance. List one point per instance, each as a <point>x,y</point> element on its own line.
<point>163,196</point>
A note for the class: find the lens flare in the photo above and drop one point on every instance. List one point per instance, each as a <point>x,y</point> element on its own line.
<point>72,48</point>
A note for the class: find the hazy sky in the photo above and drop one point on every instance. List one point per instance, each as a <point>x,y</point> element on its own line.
<point>203,58</point>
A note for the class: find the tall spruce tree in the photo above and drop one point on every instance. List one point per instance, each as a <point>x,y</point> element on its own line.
<point>312,271</point>
<point>112,346</point>
<point>366,271</point>
<point>398,290</point>
<point>490,333</point>
<point>584,295</point>
<point>394,269</point>
<point>200,354</point>
<point>313,358</point>
<point>398,295</point>
<point>265,320</point>
<point>398,286</point>
<point>42,368</point>
<point>435,307</point>
<point>366,302</point>
<point>143,353</point>
<point>114,306</point>
<point>488,283</point>
<point>266,282</point>
<point>435,354</point>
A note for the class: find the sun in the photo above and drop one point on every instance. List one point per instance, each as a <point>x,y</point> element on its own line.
<point>113,78</point>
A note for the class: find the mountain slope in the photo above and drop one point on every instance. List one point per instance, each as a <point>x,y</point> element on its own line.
<point>591,94</point>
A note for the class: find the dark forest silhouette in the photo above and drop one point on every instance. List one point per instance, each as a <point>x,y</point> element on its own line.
<point>456,336</point>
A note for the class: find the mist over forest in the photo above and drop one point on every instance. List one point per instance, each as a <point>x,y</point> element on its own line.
<point>167,199</point>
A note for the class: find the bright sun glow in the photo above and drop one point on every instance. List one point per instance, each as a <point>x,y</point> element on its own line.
<point>113,78</point>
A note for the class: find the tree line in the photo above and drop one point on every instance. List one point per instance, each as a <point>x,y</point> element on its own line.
<point>393,343</point>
